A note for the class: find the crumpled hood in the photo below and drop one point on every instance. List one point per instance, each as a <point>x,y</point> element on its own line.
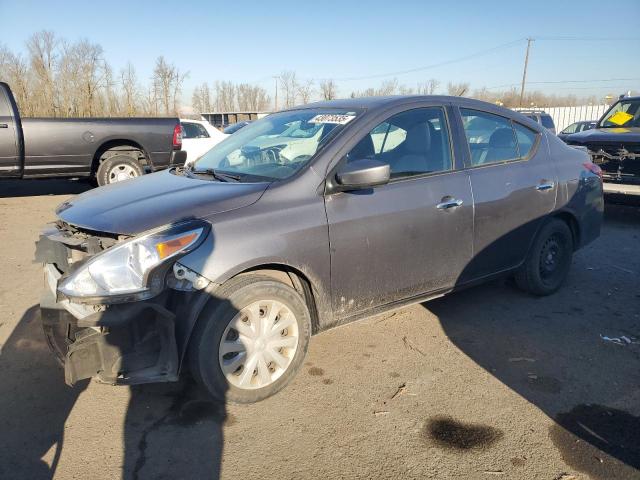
<point>606,135</point>
<point>151,201</point>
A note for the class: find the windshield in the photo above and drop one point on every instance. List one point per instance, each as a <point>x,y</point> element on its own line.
<point>625,113</point>
<point>276,146</point>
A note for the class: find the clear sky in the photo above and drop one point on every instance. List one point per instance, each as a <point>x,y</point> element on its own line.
<point>250,41</point>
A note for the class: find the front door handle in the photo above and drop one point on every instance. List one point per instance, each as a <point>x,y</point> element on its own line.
<point>4,125</point>
<point>449,202</point>
<point>545,186</point>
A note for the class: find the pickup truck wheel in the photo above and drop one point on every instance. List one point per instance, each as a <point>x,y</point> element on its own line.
<point>548,261</point>
<point>251,340</point>
<point>118,168</point>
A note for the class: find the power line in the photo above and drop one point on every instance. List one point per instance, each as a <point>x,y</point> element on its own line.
<point>567,81</point>
<point>587,39</point>
<point>427,67</point>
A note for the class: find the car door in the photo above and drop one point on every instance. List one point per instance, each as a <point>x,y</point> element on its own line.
<point>410,236</point>
<point>10,161</point>
<point>514,187</point>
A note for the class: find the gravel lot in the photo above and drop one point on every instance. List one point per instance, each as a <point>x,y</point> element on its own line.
<point>486,383</point>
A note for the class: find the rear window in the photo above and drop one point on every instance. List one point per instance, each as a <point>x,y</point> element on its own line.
<point>547,121</point>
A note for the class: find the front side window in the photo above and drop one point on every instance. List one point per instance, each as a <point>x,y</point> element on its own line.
<point>573,128</point>
<point>277,146</point>
<point>491,137</point>
<point>415,142</point>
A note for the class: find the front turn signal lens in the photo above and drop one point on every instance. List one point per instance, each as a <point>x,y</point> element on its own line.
<point>167,248</point>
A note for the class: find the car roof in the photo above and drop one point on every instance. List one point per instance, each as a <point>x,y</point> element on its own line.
<point>182,120</point>
<point>371,103</point>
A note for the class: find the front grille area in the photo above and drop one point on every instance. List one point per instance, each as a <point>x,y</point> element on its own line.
<point>619,162</point>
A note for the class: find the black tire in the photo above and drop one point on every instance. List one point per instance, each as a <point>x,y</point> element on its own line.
<point>110,166</point>
<point>548,261</point>
<point>231,298</point>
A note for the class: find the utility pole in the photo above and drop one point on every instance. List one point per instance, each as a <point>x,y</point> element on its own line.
<point>524,74</point>
<point>276,102</point>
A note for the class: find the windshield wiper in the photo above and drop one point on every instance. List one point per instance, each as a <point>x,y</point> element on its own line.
<point>220,176</point>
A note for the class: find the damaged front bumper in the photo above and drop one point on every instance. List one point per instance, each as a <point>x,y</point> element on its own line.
<point>126,343</point>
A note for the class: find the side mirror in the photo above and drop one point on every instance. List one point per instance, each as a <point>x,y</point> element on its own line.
<point>363,173</point>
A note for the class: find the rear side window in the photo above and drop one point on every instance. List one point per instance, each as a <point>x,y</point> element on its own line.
<point>491,137</point>
<point>526,139</point>
<point>193,130</point>
<point>547,121</point>
<point>415,142</point>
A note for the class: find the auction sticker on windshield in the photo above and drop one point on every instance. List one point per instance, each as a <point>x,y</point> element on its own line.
<point>339,119</point>
<point>620,118</point>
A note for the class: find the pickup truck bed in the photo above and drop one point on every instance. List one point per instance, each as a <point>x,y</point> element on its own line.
<point>84,147</point>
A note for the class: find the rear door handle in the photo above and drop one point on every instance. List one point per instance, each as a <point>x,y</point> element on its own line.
<point>4,125</point>
<point>449,203</point>
<point>545,186</point>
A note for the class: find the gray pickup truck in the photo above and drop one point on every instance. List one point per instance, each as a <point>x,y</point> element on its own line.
<point>106,150</point>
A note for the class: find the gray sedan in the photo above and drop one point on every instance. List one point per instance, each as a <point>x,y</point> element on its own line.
<point>301,221</point>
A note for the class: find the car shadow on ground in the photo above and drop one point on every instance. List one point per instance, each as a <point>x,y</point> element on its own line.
<point>34,188</point>
<point>169,429</point>
<point>551,352</point>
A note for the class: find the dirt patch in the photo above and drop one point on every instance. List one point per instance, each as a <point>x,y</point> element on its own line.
<point>454,435</point>
<point>327,381</point>
<point>316,372</point>
<point>600,441</point>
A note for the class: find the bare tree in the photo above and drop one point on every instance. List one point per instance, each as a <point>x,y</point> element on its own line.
<point>388,87</point>
<point>305,91</point>
<point>457,89</point>
<point>168,80</point>
<point>328,89</point>
<point>15,71</point>
<point>112,100</point>
<point>130,92</point>
<point>42,47</point>
<point>196,100</point>
<point>225,96</point>
<point>251,98</point>
<point>205,93</point>
<point>429,87</point>
<point>404,90</point>
<point>289,87</point>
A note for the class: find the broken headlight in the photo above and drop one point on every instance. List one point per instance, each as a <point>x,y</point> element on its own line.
<point>134,269</point>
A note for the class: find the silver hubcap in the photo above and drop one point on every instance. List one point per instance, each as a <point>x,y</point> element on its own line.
<point>258,345</point>
<point>122,172</point>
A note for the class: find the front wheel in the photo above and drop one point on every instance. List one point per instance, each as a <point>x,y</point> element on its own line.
<point>548,261</point>
<point>251,339</point>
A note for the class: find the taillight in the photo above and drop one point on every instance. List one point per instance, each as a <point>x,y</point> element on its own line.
<point>177,137</point>
<point>593,168</point>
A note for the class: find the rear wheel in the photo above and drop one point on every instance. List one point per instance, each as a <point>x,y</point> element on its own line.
<point>548,261</point>
<point>251,340</point>
<point>118,168</point>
